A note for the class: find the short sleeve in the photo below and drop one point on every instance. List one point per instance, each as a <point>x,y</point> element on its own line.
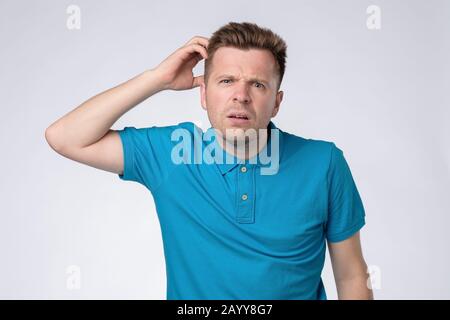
<point>346,214</point>
<point>146,153</point>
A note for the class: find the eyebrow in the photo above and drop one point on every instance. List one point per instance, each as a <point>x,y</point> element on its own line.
<point>251,79</point>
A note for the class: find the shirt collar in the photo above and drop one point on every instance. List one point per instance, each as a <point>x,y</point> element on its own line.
<point>228,164</point>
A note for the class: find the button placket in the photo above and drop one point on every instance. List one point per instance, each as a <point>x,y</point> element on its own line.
<point>245,189</point>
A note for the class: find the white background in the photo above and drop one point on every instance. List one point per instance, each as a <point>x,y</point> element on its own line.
<point>380,95</point>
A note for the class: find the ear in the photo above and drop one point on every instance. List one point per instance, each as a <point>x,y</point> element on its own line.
<point>203,95</point>
<point>278,100</point>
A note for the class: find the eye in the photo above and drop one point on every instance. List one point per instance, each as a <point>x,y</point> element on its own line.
<point>261,85</point>
<point>225,80</point>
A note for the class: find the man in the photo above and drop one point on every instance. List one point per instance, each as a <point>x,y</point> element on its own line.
<point>230,231</point>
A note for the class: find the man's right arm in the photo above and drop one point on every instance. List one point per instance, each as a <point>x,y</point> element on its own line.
<point>84,134</point>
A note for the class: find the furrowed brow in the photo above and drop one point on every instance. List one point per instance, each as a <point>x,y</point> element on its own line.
<point>251,79</point>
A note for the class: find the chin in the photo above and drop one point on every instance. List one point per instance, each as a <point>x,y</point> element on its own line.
<point>240,133</point>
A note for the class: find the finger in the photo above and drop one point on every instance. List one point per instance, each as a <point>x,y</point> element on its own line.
<point>197,81</point>
<point>197,49</point>
<point>199,40</point>
<point>198,58</point>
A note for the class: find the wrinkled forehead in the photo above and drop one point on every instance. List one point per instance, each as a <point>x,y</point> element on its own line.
<point>237,62</point>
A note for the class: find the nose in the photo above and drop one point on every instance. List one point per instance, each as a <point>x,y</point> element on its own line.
<point>242,93</point>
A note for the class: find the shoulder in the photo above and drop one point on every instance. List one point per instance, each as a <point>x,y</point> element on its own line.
<point>162,132</point>
<point>308,149</point>
<point>158,139</point>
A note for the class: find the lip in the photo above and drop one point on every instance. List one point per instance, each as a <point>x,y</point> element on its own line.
<point>238,121</point>
<point>240,114</point>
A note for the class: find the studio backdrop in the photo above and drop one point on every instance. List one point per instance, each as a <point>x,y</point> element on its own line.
<point>370,76</point>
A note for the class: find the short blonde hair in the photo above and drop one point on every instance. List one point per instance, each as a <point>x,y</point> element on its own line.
<point>247,36</point>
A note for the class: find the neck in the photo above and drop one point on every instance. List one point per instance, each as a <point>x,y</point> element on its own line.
<point>247,148</point>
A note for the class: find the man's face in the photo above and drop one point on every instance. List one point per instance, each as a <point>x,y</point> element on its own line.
<point>241,91</point>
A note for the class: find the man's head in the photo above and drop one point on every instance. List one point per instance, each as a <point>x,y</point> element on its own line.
<point>243,74</point>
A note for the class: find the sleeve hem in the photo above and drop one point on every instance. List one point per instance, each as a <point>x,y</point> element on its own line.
<point>346,234</point>
<point>128,158</point>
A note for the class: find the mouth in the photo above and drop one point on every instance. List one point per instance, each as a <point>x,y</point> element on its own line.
<point>238,116</point>
<point>238,119</point>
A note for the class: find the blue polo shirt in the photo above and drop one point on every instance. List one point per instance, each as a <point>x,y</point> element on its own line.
<point>230,232</point>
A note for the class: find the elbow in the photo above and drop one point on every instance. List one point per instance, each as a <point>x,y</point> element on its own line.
<point>357,288</point>
<point>51,136</point>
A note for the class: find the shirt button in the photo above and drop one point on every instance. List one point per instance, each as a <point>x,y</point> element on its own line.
<point>244,169</point>
<point>244,197</point>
